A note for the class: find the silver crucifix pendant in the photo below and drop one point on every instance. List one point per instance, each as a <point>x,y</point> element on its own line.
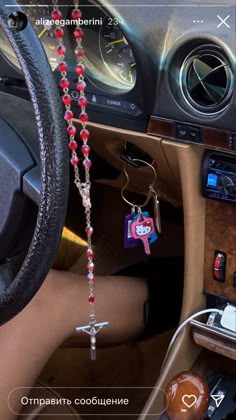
<point>92,329</point>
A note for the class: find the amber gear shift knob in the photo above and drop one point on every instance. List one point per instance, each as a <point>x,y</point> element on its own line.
<point>187,397</point>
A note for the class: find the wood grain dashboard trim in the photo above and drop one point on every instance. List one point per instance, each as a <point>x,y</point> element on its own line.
<point>214,138</point>
<point>220,235</point>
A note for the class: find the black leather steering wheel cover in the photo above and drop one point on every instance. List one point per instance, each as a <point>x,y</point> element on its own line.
<point>54,167</point>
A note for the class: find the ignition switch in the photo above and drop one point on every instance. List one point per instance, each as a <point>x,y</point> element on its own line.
<point>131,152</point>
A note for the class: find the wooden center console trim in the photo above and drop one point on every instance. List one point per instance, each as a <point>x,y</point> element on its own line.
<point>208,364</point>
<point>215,344</point>
<point>220,236</point>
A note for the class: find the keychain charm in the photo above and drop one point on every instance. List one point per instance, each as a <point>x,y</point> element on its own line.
<point>153,236</point>
<point>142,228</point>
<point>129,241</point>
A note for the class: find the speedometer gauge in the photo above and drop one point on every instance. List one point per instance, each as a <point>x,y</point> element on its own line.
<point>116,53</point>
<point>39,16</point>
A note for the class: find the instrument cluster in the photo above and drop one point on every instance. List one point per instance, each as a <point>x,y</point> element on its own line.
<point>109,59</point>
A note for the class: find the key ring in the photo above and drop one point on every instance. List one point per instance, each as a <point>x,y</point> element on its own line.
<point>151,186</point>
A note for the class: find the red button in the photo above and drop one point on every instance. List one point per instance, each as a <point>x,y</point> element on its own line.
<point>218,261</point>
<point>219,266</point>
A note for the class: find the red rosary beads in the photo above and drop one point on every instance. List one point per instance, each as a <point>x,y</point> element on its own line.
<point>83,187</point>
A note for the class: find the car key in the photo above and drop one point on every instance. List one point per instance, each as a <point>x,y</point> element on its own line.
<point>142,228</point>
<point>156,209</point>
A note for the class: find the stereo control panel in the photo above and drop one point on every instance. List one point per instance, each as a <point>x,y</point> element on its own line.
<point>219,177</point>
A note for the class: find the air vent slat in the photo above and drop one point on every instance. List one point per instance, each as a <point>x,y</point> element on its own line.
<point>216,92</point>
<point>202,69</point>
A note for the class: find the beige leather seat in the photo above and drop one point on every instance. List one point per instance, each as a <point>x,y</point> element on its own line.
<point>47,412</point>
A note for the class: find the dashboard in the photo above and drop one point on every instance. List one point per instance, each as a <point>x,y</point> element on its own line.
<point>163,68</point>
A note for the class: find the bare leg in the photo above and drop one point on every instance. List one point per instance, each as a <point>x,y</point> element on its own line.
<point>28,341</point>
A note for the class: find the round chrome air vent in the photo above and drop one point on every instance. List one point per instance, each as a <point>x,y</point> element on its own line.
<point>207,80</point>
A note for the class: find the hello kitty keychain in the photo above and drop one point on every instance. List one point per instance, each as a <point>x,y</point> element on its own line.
<point>142,228</point>
<point>139,226</point>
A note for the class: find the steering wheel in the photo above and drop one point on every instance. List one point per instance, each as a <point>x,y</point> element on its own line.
<point>33,169</point>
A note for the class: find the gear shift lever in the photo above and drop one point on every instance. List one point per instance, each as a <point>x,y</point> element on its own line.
<point>187,397</point>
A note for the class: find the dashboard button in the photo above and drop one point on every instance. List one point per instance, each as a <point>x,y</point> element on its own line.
<point>219,266</point>
<point>195,135</point>
<point>131,108</point>
<point>75,95</point>
<point>94,99</point>
<point>182,132</point>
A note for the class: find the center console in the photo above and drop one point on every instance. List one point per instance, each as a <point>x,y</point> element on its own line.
<point>207,347</point>
<point>219,187</point>
<point>218,333</point>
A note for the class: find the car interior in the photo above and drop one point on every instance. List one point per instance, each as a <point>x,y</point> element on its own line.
<point>160,92</point>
